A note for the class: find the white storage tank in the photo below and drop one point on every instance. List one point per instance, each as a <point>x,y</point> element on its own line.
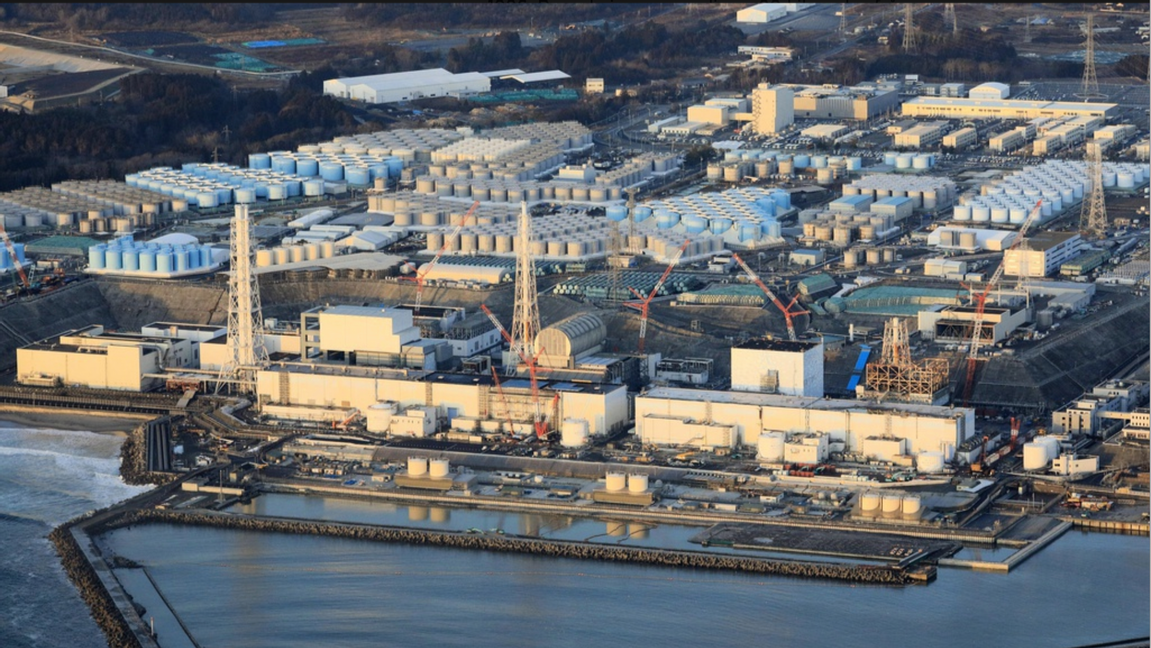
<point>1034,456</point>
<point>869,504</point>
<point>439,468</point>
<point>912,507</point>
<point>616,482</point>
<point>771,446</point>
<point>417,466</point>
<point>930,462</point>
<point>574,433</point>
<point>637,483</point>
<point>892,505</point>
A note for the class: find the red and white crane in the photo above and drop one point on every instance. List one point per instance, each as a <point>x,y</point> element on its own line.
<point>788,314</point>
<point>643,305</point>
<point>507,408</point>
<point>980,299</point>
<point>539,423</point>
<point>15,261</point>
<point>422,273</point>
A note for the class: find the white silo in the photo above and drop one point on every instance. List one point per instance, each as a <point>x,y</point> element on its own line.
<point>439,468</point>
<point>912,507</point>
<point>417,466</point>
<point>892,505</point>
<point>869,504</point>
<point>616,482</point>
<point>637,483</point>
<point>930,462</point>
<point>574,433</point>
<point>771,446</point>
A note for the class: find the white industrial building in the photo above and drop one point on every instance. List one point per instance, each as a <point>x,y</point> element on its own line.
<point>1042,254</point>
<point>673,416</point>
<point>1086,414</point>
<point>792,368</point>
<point>717,115</point>
<point>961,138</point>
<point>966,108</point>
<point>763,12</point>
<point>407,86</point>
<point>970,239</point>
<point>990,90</point>
<point>957,323</point>
<point>99,359</point>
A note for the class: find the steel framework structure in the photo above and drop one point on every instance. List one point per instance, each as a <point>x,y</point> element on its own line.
<point>246,352</point>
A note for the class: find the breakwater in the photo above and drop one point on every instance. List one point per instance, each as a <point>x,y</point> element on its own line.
<point>83,576</point>
<point>133,462</point>
<point>879,575</point>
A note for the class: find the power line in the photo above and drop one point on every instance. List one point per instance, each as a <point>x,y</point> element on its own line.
<point>909,41</point>
<point>1090,82</point>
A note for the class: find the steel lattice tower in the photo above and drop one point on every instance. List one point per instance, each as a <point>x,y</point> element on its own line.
<point>909,41</point>
<point>526,317</point>
<point>1093,217</point>
<point>843,18</point>
<point>1090,81</point>
<point>949,15</point>
<point>245,319</point>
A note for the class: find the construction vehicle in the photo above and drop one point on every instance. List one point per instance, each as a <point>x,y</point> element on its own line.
<point>1088,502</point>
<point>422,273</point>
<point>343,425</point>
<point>788,314</point>
<point>977,466</point>
<point>980,299</point>
<point>644,305</point>
<point>539,423</point>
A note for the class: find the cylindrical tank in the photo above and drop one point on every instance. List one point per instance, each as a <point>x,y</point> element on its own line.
<point>912,507</point>
<point>113,258</point>
<point>327,249</point>
<point>439,468</point>
<point>823,232</point>
<point>574,433</point>
<point>999,214</point>
<point>245,196</point>
<point>296,253</point>
<point>96,256</point>
<point>1034,456</point>
<point>417,466</point>
<point>311,251</point>
<point>181,260</point>
<point>786,166</point>
<point>637,483</point>
<point>962,213</point>
<point>851,258</point>
<point>264,258</point>
<point>968,240</point>
<point>332,171</point>
<point>801,161</point>
<point>869,504</point>
<point>903,161</point>
<point>770,447</point>
<point>616,213</point>
<point>282,255</point>
<point>889,158</point>
<point>147,260</point>
<point>892,505</point>
<point>888,255</point>
<point>874,256</point>
<point>616,482</point>
<point>921,162</point>
<point>929,462</point>
<point>130,260</point>
<point>311,188</point>
<point>164,261</point>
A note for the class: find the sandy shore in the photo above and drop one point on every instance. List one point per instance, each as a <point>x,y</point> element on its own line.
<point>61,419</point>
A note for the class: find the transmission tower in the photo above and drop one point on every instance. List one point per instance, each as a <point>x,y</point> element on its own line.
<point>246,352</point>
<point>843,18</point>
<point>526,316</point>
<point>1090,81</point>
<point>1093,218</point>
<point>949,16</point>
<point>909,44</point>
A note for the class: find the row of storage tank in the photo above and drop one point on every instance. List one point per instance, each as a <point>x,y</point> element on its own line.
<point>617,482</point>
<point>800,160</point>
<point>829,169</point>
<point>904,161</point>
<point>434,468</point>
<point>890,506</point>
<point>923,195</point>
<point>360,170</point>
<point>121,224</point>
<point>295,253</point>
<point>1039,453</point>
<point>514,191</point>
<point>72,202</point>
<point>600,286</point>
<point>871,256</point>
<point>133,256</point>
<point>965,240</point>
<point>6,257</point>
<point>770,448</point>
<point>209,189</point>
<point>740,217</point>
<point>843,229</point>
<point>409,145</point>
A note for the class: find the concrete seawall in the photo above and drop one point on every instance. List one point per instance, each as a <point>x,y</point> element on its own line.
<point>880,575</point>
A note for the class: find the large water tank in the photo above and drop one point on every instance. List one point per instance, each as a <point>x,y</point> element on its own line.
<point>95,256</point>
<point>930,462</point>
<point>637,483</point>
<point>892,505</point>
<point>903,161</point>
<point>181,259</point>
<point>164,261</point>
<point>617,213</point>
<point>999,214</point>
<point>417,466</point>
<point>889,158</point>
<point>245,196</point>
<point>439,468</point>
<point>113,258</point>
<point>130,260</point>
<point>801,161</point>
<point>641,213</point>
<point>912,507</point>
<point>311,188</point>
<point>574,433</point>
<point>869,504</point>
<point>962,213</point>
<point>1034,456</point>
<point>147,260</point>
<point>616,482</point>
<point>719,225</point>
<point>332,171</point>
<point>770,446</point>
<point>921,162</point>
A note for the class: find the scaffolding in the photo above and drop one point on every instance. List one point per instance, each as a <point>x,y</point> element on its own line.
<point>896,377</point>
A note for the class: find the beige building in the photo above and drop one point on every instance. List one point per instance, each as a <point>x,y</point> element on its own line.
<point>793,368</point>
<point>92,357</point>
<point>920,135</point>
<point>961,138</point>
<point>594,86</point>
<point>1042,254</point>
<point>959,108</point>
<point>957,323</point>
<point>840,102</point>
<point>772,108</point>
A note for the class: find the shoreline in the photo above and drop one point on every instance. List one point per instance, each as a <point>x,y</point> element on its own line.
<point>116,423</point>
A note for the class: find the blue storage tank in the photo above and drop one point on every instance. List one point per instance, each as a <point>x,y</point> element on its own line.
<point>19,247</point>
<point>95,256</point>
<point>284,165</point>
<point>205,256</point>
<point>206,199</point>
<point>312,188</point>
<point>889,158</point>
<point>259,161</point>
<point>357,175</point>
<point>223,196</point>
<point>181,258</point>
<point>378,170</point>
<point>766,206</point>
<point>782,200</point>
<point>164,261</point>
<point>245,196</point>
<point>641,213</point>
<point>819,161</point>
<point>617,213</point>
<point>261,190</point>
<point>748,231</point>
<point>694,224</point>
<point>130,260</point>
<point>148,261</point>
<point>131,179</point>
<point>307,167</point>
<point>276,191</point>
<point>395,166</point>
<point>333,171</point>
<point>113,259</point>
<point>666,219</point>
<point>801,161</point>
<point>772,228</point>
<point>293,188</point>
<point>719,225</point>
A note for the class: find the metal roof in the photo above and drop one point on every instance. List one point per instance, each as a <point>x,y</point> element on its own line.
<point>532,77</point>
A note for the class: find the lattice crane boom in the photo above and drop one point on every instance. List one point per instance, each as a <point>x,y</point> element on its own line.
<point>539,423</point>
<point>644,306</point>
<point>788,314</point>
<point>981,304</point>
<point>422,273</point>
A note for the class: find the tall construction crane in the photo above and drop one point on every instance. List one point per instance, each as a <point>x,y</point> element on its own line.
<point>643,305</point>
<point>422,273</point>
<point>538,422</point>
<point>788,314</point>
<point>504,398</point>
<point>15,261</point>
<point>980,299</point>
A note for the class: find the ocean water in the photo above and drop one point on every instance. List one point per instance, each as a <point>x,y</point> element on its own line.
<point>238,588</point>
<point>48,477</point>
